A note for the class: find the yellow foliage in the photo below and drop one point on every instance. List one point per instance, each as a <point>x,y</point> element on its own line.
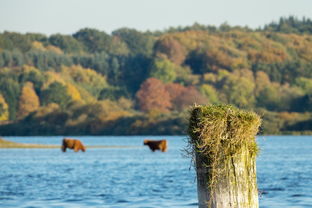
<point>261,49</point>
<point>85,95</point>
<point>54,49</point>
<point>28,100</point>
<point>17,71</point>
<point>4,109</point>
<point>262,80</point>
<point>210,77</point>
<point>27,69</point>
<point>238,49</point>
<point>50,108</point>
<point>302,44</point>
<point>288,116</point>
<point>85,78</point>
<point>73,92</point>
<point>65,78</point>
<point>52,77</point>
<point>125,103</point>
<point>111,111</point>
<point>138,124</point>
<point>83,75</point>
<point>81,119</point>
<point>38,45</point>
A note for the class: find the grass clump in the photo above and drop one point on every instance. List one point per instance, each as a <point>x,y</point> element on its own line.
<point>217,135</point>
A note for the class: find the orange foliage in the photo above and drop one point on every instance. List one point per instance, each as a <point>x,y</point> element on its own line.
<point>189,96</point>
<point>174,90</point>
<point>183,97</point>
<point>153,96</point>
<point>302,44</point>
<point>172,49</point>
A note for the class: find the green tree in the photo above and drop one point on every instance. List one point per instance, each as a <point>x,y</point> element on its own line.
<point>67,43</point>
<point>137,42</point>
<point>34,75</point>
<point>56,93</point>
<point>210,93</point>
<point>10,89</point>
<point>13,40</point>
<point>134,70</point>
<point>163,70</point>
<point>94,40</point>
<point>236,90</point>
<point>37,37</point>
<point>305,84</point>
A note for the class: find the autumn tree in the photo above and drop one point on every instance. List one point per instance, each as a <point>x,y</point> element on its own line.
<point>73,92</point>
<point>262,81</point>
<point>153,96</point>
<point>4,109</point>
<point>182,97</point>
<point>89,79</point>
<point>175,90</point>
<point>28,100</point>
<point>171,49</point>
<point>188,97</point>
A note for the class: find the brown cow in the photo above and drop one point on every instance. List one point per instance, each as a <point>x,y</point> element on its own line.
<point>156,144</point>
<point>74,144</point>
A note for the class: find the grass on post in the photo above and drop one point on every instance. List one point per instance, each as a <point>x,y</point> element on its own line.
<point>217,133</point>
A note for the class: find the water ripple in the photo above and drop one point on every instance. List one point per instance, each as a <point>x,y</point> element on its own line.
<point>137,177</point>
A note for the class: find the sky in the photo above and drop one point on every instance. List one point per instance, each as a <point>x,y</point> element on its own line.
<point>69,16</point>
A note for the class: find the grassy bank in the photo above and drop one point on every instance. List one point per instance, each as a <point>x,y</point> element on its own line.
<point>9,144</point>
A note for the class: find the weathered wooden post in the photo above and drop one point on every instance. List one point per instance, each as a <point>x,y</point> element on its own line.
<point>222,144</point>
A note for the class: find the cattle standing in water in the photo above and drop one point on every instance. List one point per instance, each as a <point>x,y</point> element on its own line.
<point>156,145</point>
<point>74,144</point>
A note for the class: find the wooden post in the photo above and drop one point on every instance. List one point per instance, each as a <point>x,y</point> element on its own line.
<point>223,147</point>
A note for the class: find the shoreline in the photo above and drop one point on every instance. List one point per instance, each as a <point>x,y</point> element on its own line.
<point>6,144</point>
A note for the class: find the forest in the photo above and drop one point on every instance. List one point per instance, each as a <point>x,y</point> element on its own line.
<point>131,82</point>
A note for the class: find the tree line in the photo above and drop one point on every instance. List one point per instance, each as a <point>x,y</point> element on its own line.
<point>131,82</point>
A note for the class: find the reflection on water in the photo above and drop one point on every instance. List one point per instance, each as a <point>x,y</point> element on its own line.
<point>137,177</point>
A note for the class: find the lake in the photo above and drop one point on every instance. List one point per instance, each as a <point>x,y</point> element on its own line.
<point>134,176</point>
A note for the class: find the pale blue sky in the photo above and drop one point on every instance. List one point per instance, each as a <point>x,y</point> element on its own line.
<point>68,16</point>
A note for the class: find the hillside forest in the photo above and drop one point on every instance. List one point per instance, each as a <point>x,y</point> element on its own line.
<point>131,82</point>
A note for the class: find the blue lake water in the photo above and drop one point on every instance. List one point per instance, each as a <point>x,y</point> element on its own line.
<point>136,177</point>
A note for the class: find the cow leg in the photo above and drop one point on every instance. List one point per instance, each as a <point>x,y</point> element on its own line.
<point>76,149</point>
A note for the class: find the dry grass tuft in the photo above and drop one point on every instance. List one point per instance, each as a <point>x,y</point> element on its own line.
<point>218,133</point>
